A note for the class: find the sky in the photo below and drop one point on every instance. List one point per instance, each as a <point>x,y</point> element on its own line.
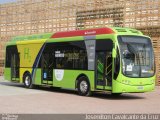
<point>6,1</point>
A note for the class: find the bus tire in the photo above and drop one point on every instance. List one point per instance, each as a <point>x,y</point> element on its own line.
<point>27,80</point>
<point>83,86</point>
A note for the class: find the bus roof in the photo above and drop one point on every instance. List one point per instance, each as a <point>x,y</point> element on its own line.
<point>32,37</point>
<point>86,32</point>
<point>96,31</point>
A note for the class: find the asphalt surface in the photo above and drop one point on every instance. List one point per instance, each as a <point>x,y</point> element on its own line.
<point>16,99</point>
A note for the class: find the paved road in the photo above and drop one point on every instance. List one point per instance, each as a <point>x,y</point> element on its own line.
<point>14,98</point>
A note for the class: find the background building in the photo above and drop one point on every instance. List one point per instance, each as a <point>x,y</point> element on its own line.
<point>40,16</point>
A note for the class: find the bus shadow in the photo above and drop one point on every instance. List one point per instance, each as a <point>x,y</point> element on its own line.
<point>98,95</point>
<point>124,96</point>
<point>12,84</point>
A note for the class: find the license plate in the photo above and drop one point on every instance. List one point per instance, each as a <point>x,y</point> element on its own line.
<point>140,88</point>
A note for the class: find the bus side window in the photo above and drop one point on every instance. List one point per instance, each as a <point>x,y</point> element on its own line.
<point>71,56</point>
<point>117,65</point>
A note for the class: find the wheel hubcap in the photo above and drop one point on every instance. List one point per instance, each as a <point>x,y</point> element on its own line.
<point>83,86</point>
<point>27,81</point>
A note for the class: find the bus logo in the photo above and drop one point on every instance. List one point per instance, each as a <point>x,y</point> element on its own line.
<point>59,74</point>
<point>90,32</point>
<point>27,54</point>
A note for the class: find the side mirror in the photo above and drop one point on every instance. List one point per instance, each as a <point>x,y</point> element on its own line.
<point>114,53</point>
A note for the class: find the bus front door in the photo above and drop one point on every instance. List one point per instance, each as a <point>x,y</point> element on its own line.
<point>15,67</point>
<point>104,68</point>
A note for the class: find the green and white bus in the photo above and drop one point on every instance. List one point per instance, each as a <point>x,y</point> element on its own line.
<point>120,60</point>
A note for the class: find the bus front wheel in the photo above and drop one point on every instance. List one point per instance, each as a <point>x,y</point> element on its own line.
<point>27,79</point>
<point>83,86</point>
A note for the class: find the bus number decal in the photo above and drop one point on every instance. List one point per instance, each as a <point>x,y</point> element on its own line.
<point>59,54</point>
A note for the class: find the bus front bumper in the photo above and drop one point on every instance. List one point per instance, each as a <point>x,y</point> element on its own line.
<point>119,87</point>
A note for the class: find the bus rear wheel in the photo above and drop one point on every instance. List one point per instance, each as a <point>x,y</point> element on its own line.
<point>83,86</point>
<point>27,79</point>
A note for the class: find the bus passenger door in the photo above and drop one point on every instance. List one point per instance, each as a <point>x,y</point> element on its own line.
<point>47,68</point>
<point>100,77</point>
<point>104,68</point>
<point>15,63</point>
<point>103,63</point>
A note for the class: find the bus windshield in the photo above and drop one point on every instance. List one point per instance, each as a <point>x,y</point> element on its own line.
<point>137,56</point>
